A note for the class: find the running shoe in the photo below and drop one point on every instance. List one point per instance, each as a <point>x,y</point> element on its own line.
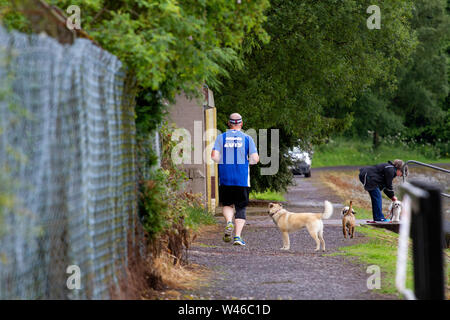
<point>238,241</point>
<point>228,232</point>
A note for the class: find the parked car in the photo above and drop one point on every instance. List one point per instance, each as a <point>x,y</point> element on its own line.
<point>301,161</point>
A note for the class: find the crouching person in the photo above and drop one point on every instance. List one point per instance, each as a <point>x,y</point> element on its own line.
<point>379,178</point>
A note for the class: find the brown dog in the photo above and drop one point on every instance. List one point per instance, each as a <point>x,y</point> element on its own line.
<point>348,221</point>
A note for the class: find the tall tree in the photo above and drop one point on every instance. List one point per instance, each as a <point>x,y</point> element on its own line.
<point>373,116</point>
<point>321,54</point>
<point>423,85</point>
<point>417,107</point>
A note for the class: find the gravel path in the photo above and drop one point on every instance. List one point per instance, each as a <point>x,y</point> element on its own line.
<point>261,270</point>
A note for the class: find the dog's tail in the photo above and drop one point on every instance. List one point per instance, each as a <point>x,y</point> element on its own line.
<point>349,209</point>
<point>328,211</point>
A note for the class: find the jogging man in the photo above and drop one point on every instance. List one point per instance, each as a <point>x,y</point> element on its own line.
<point>379,178</point>
<point>234,151</point>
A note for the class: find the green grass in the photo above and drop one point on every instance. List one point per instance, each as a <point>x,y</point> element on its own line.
<point>267,195</point>
<point>341,151</point>
<point>380,250</point>
<point>196,217</point>
<point>362,213</point>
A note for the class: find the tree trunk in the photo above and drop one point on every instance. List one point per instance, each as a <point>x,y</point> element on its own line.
<point>376,140</point>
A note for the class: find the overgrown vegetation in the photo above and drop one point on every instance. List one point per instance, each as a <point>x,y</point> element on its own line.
<point>169,214</point>
<point>169,45</point>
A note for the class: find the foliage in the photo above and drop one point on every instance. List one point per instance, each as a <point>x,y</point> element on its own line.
<point>424,79</point>
<point>151,204</point>
<point>159,194</point>
<point>11,17</point>
<point>169,214</point>
<point>278,182</point>
<point>419,107</point>
<point>373,115</point>
<point>173,44</point>
<point>321,54</point>
<point>167,45</point>
<point>150,110</point>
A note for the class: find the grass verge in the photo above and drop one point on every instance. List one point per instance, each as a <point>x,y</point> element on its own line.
<point>197,217</point>
<point>267,195</point>
<point>352,152</point>
<point>379,250</point>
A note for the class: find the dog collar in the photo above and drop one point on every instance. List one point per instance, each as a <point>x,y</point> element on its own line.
<point>271,214</point>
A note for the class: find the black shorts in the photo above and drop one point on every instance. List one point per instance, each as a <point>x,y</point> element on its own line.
<point>237,195</point>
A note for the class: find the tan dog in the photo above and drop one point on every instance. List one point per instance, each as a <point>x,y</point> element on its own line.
<point>348,221</point>
<point>288,221</point>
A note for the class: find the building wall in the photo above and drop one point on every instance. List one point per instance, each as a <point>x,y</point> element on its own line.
<point>189,114</point>
<point>197,116</point>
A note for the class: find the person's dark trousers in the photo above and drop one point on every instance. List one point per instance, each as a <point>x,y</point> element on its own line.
<point>377,208</point>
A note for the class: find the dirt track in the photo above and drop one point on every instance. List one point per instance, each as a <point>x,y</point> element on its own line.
<point>262,271</point>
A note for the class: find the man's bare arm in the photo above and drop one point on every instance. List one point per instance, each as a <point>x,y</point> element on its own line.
<point>215,156</point>
<point>254,158</point>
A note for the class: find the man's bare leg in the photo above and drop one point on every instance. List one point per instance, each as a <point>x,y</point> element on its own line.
<point>239,226</point>
<point>228,213</point>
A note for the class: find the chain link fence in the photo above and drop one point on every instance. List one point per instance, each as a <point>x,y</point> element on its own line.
<point>67,169</point>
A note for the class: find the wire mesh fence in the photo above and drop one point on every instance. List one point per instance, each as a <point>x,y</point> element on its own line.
<point>67,168</point>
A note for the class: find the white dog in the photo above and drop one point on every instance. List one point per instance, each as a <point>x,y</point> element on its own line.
<point>395,208</point>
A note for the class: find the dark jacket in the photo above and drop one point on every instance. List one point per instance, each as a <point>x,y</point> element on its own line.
<point>379,176</point>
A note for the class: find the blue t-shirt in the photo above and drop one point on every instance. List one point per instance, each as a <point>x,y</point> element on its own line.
<point>234,147</point>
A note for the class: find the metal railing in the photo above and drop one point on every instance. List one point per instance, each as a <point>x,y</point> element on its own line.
<point>428,166</point>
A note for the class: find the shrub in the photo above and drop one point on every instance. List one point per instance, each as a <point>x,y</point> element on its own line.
<point>168,214</point>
